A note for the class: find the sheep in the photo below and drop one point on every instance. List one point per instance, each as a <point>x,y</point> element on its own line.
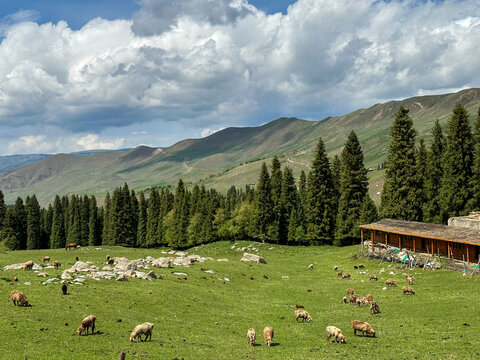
<point>55,265</point>
<point>346,276</point>
<point>335,268</point>
<point>297,306</point>
<point>408,290</point>
<point>335,332</point>
<point>374,309</point>
<point>304,315</point>
<point>410,279</point>
<point>373,277</point>
<point>369,297</point>
<point>251,336</point>
<point>123,356</point>
<point>362,326</point>
<point>268,335</point>
<point>350,291</point>
<point>28,265</point>
<point>361,300</point>
<point>339,273</point>
<point>64,289</point>
<point>88,322</point>
<point>352,299</point>
<point>18,298</point>
<point>310,267</point>
<point>345,300</point>
<point>390,282</point>
<point>77,259</point>
<point>355,267</point>
<point>46,259</point>
<point>71,246</point>
<point>361,266</point>
<point>142,329</point>
<point>14,279</point>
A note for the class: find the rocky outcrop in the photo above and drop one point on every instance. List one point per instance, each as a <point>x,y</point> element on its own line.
<point>253,257</point>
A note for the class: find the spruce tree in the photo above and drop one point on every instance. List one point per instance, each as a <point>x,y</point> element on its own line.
<point>400,189</point>
<point>457,165</point>
<point>421,173</point>
<point>320,199</point>
<point>288,202</point>
<point>74,235</point>
<point>57,235</point>
<point>336,171</point>
<point>180,214</point>
<point>353,187</point>
<point>368,211</point>
<point>275,228</point>
<point>3,209</point>
<point>93,228</point>
<point>8,234</point>
<point>263,204</point>
<point>106,229</point>
<point>20,223</point>
<point>32,209</point>
<point>153,216</point>
<point>142,221</point>
<point>46,224</point>
<point>474,202</point>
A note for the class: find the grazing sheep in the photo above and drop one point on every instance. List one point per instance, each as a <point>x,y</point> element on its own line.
<point>350,291</point>
<point>361,266</point>
<point>28,265</point>
<point>142,329</point>
<point>297,306</point>
<point>77,259</point>
<point>64,289</point>
<point>251,336</point>
<point>310,267</point>
<point>361,300</point>
<point>339,273</point>
<point>18,298</point>
<point>265,276</point>
<point>346,276</point>
<point>107,257</point>
<point>408,290</point>
<point>362,326</point>
<point>46,259</point>
<point>304,315</point>
<point>71,246</point>
<point>352,299</point>
<point>374,309</point>
<point>369,297</point>
<point>390,282</point>
<point>88,322</point>
<point>55,264</point>
<point>123,356</point>
<point>409,279</point>
<point>14,279</point>
<point>335,332</point>
<point>335,268</point>
<point>355,267</point>
<point>345,299</point>
<point>373,277</point>
<point>268,335</point>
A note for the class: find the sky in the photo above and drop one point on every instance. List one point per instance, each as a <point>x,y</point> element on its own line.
<point>106,74</point>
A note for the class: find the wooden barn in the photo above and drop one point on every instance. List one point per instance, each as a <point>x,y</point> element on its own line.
<point>462,243</point>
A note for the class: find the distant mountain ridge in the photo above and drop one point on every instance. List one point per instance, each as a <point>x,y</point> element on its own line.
<point>230,156</point>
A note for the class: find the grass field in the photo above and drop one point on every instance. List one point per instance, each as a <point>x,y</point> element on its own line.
<point>207,318</point>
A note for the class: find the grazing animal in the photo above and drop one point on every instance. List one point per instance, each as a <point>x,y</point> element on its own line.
<point>335,332</point>
<point>335,268</point>
<point>243,274</point>
<point>362,326</point>
<point>142,329</point>
<point>409,279</point>
<point>355,267</point>
<point>28,265</point>
<point>352,299</point>
<point>369,297</point>
<point>268,335</point>
<point>339,273</point>
<point>71,246</point>
<point>251,336</point>
<point>350,291</point>
<point>304,315</point>
<point>346,276</point>
<point>309,290</point>
<point>76,258</point>
<point>374,309</point>
<point>46,259</point>
<point>252,278</point>
<point>265,276</point>
<point>408,290</point>
<point>88,322</point>
<point>14,279</point>
<point>373,277</point>
<point>310,267</point>
<point>64,289</point>
<point>361,266</point>
<point>55,264</point>
<point>123,356</point>
<point>361,300</point>
<point>345,299</point>
<point>18,298</point>
<point>390,282</point>
<point>299,306</point>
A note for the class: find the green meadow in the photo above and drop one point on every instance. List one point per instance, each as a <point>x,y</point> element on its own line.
<point>207,317</point>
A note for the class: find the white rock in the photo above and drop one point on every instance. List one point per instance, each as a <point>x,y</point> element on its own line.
<point>27,283</point>
<point>122,277</point>
<point>253,257</point>
<point>384,288</point>
<point>46,282</point>
<point>182,261</point>
<point>180,274</point>
<point>285,277</point>
<point>161,262</point>
<point>98,248</point>
<point>66,276</point>
<point>391,273</point>
<point>150,258</point>
<point>226,279</point>
<point>44,274</point>
<point>223,260</point>
<point>210,271</point>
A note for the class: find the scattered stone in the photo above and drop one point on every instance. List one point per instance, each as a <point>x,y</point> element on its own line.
<point>46,282</point>
<point>384,288</point>
<point>99,275</point>
<point>19,266</point>
<point>226,279</point>
<point>28,283</point>
<point>210,271</point>
<point>66,276</point>
<point>253,257</point>
<point>285,277</point>
<point>122,277</point>
<point>222,260</point>
<point>44,274</point>
<point>182,261</point>
<point>152,275</point>
<point>180,274</point>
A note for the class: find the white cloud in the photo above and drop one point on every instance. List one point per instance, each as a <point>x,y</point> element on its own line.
<point>206,132</point>
<point>92,142</point>
<point>208,64</point>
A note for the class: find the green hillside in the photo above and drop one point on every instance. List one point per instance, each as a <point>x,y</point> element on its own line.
<point>228,157</point>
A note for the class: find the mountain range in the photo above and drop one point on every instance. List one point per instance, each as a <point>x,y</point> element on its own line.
<point>232,156</point>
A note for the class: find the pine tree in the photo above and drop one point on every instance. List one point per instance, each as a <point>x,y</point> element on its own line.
<point>93,228</point>
<point>32,209</point>
<point>46,225</point>
<point>336,170</point>
<point>474,202</point>
<point>433,176</point>
<point>3,209</point>
<point>421,173</point>
<point>133,218</point>
<point>142,221</point>
<point>178,238</point>
<point>263,204</point>
<point>153,216</point>
<point>57,236</point>
<point>320,199</point>
<point>20,223</point>
<point>401,189</point>
<point>106,229</point>
<point>74,235</point>
<point>8,234</point>
<point>288,202</point>
<point>457,165</point>
<point>276,189</point>
<point>368,211</point>
<point>353,187</point>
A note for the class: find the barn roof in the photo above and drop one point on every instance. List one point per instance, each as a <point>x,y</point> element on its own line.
<point>425,230</point>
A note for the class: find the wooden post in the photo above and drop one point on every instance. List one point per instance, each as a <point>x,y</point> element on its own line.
<point>386,239</point>
<point>399,241</point>
<point>413,244</point>
<point>448,247</point>
<point>373,234</point>
<point>361,237</point>
<point>468,259</point>
<point>432,249</point>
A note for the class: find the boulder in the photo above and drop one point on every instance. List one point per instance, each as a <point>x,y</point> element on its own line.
<point>98,275</point>
<point>223,260</point>
<point>124,266</point>
<point>66,276</point>
<point>161,262</point>
<point>152,275</point>
<point>253,257</point>
<point>82,266</point>
<point>182,261</point>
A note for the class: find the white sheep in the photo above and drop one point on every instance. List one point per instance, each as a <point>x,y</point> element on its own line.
<point>251,336</point>
<point>142,329</point>
<point>335,332</point>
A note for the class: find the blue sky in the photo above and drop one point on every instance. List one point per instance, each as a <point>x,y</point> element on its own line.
<point>87,74</point>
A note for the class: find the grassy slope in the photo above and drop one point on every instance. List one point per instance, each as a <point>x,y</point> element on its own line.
<point>205,318</point>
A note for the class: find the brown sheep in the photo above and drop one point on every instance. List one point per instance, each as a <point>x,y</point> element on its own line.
<point>28,265</point>
<point>339,273</point>
<point>333,331</point>
<point>71,246</point>
<point>369,297</point>
<point>88,322</point>
<point>352,299</point>
<point>46,259</point>
<point>361,300</point>
<point>335,268</point>
<point>374,309</point>
<point>373,277</point>
<point>350,291</point>
<point>361,266</point>
<point>362,326</point>
<point>251,336</point>
<point>268,335</point>
<point>355,267</point>
<point>390,282</point>
<point>142,329</point>
<point>297,306</point>
<point>123,356</point>
<point>346,276</point>
<point>14,279</point>
<point>409,279</point>
<point>18,298</point>
<point>304,315</point>
<point>408,290</point>
<point>55,265</point>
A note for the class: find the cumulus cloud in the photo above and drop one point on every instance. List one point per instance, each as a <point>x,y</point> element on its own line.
<point>206,64</point>
<point>206,132</point>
